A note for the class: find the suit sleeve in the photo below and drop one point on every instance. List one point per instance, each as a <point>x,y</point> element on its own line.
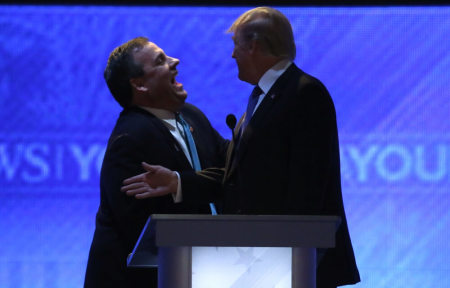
<point>204,186</point>
<point>122,160</point>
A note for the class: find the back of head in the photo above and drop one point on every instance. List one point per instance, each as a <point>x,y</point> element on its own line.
<point>270,28</point>
<point>121,67</point>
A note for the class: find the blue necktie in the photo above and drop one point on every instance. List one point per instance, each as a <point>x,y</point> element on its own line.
<point>192,151</point>
<point>252,101</point>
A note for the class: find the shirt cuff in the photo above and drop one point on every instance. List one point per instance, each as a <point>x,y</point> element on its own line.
<point>178,197</point>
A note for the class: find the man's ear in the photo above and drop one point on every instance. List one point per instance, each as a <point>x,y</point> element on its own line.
<point>253,46</point>
<point>138,84</point>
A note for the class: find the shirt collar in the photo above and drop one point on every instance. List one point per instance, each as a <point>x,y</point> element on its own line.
<point>268,79</point>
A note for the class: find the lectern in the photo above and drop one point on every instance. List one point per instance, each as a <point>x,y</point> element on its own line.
<point>167,242</point>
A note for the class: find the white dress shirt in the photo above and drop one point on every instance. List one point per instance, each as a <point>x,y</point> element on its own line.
<point>270,77</point>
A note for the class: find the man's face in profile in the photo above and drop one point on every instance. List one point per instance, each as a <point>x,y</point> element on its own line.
<point>158,81</point>
<point>241,53</point>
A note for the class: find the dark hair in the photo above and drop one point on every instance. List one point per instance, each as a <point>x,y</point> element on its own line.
<point>270,28</point>
<point>121,68</point>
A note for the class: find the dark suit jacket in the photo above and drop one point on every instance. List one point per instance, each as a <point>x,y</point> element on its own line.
<point>287,163</point>
<point>140,136</point>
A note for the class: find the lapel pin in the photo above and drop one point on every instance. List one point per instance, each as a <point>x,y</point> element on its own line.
<point>191,129</point>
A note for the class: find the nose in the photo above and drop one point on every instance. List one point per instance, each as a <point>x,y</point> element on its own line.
<point>233,55</point>
<point>173,62</point>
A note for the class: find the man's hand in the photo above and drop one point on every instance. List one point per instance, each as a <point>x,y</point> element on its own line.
<point>157,181</point>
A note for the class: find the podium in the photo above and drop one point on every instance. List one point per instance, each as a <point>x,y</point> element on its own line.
<point>166,242</point>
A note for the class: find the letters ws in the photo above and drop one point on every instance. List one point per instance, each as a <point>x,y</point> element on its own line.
<point>39,162</point>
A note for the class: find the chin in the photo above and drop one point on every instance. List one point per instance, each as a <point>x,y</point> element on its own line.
<point>182,95</point>
<point>243,77</point>
<point>246,80</point>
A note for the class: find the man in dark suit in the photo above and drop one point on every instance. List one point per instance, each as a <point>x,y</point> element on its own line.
<point>285,159</point>
<point>141,77</point>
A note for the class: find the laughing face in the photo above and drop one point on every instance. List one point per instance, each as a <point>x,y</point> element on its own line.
<point>158,82</point>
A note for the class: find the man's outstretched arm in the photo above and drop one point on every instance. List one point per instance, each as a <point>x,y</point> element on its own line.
<point>156,182</point>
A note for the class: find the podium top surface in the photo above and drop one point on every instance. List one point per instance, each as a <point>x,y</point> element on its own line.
<point>251,218</point>
<point>244,230</point>
<point>171,230</point>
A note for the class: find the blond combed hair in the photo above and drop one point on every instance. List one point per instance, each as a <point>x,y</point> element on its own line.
<point>270,28</point>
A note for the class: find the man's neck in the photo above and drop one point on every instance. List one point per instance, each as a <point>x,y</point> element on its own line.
<point>144,102</point>
<point>162,114</point>
<point>264,64</point>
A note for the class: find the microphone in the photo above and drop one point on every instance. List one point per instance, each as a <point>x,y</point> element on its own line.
<point>231,123</point>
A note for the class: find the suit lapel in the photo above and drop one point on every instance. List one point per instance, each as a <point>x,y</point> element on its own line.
<point>230,164</point>
<point>171,142</point>
<point>261,115</point>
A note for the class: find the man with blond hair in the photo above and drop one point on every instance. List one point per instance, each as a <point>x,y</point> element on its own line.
<point>285,157</point>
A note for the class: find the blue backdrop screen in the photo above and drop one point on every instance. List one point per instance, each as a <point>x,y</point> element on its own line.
<point>387,69</point>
